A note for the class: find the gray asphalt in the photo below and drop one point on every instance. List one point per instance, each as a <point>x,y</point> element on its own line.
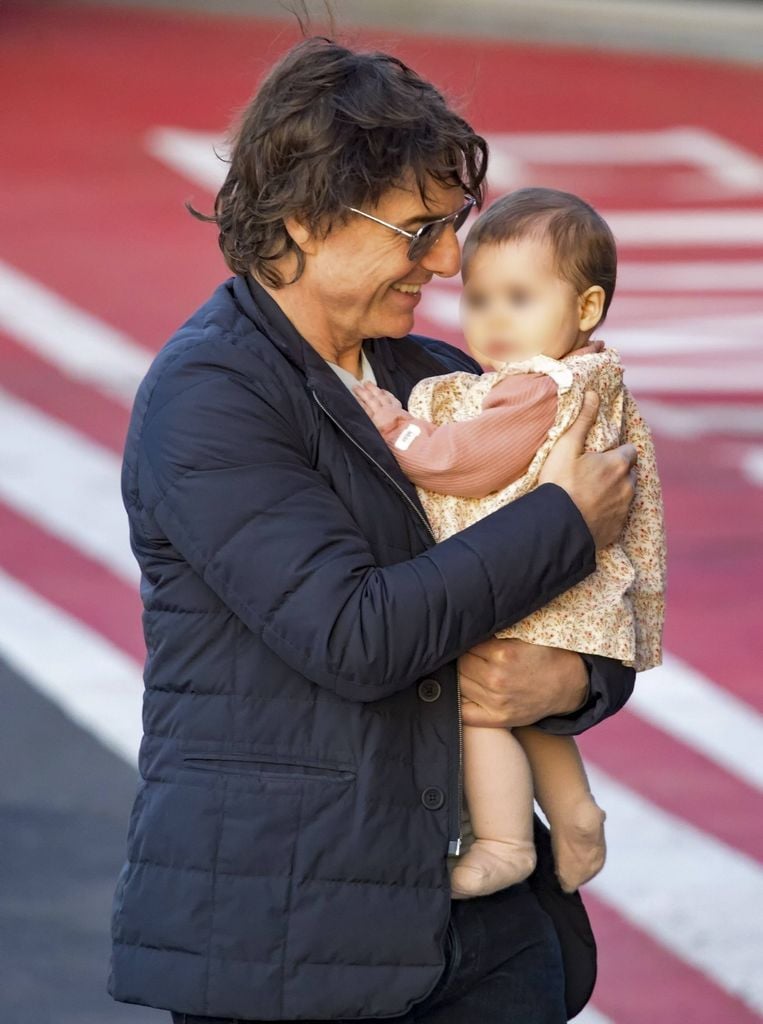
<point>64,803</point>
<point>729,30</point>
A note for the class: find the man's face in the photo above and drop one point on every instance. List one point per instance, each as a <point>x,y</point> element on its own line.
<point>359,279</point>
<point>515,305</point>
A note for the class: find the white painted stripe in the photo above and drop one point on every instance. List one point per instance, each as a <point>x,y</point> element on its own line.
<point>590,1015</point>
<point>691,276</point>
<point>694,894</point>
<point>691,335</point>
<point>94,683</point>
<point>699,419</point>
<point>66,483</point>
<point>687,227</point>
<point>743,378</point>
<point>79,344</point>
<point>192,154</point>
<point>687,705</point>
<point>720,159</point>
<point>752,466</point>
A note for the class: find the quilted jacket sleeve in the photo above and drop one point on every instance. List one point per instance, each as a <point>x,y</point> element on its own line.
<point>609,687</point>
<point>224,473</point>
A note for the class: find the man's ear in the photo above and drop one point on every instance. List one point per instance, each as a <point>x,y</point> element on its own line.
<point>300,234</point>
<point>590,307</point>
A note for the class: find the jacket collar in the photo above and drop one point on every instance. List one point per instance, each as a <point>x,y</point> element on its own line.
<point>396,372</point>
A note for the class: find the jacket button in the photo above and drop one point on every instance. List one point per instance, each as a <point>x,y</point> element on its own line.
<point>433,798</point>
<point>429,689</point>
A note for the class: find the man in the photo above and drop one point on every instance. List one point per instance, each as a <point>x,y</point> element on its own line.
<point>287,852</point>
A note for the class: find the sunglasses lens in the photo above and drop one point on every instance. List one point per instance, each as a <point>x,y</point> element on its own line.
<point>424,239</point>
<point>426,236</point>
<point>461,216</point>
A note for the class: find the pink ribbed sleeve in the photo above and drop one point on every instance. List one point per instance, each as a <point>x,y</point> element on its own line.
<point>482,455</point>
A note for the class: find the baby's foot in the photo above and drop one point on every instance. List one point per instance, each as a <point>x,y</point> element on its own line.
<point>490,865</point>
<point>579,846</point>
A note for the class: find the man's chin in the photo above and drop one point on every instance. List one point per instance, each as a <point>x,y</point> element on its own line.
<point>394,327</point>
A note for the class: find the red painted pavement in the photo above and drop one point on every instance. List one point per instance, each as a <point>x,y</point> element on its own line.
<point>89,214</point>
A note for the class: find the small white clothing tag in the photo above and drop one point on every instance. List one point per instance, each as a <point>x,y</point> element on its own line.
<point>407,437</point>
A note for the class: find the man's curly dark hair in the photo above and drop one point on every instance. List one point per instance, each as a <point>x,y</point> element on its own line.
<point>330,128</point>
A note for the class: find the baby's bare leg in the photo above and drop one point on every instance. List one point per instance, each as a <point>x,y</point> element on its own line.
<point>499,794</point>
<point>561,788</point>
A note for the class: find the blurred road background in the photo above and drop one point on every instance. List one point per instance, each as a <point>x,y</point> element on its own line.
<point>109,119</point>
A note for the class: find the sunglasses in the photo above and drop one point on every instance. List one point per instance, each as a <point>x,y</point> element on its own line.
<point>421,241</point>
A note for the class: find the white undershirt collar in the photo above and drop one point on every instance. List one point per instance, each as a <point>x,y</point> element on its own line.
<point>348,379</point>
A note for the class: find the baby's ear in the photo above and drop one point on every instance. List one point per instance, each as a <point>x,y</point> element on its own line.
<point>590,307</point>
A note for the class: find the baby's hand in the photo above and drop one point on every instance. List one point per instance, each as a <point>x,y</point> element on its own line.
<point>382,408</point>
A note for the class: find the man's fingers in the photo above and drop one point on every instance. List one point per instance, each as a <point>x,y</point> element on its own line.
<point>629,453</point>
<point>578,431</point>
<point>479,651</point>
<point>474,714</point>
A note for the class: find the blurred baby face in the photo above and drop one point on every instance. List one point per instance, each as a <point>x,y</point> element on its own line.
<point>514,304</point>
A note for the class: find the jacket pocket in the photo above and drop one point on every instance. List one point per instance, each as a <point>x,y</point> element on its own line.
<point>257,764</point>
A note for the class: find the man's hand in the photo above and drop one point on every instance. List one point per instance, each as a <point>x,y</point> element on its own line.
<point>515,683</point>
<point>600,483</point>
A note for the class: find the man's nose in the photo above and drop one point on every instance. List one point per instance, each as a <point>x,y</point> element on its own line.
<point>444,258</point>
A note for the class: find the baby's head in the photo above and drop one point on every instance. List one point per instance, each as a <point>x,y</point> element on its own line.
<point>539,269</point>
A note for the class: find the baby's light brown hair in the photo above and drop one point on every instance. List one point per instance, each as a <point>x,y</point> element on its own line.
<point>581,240</point>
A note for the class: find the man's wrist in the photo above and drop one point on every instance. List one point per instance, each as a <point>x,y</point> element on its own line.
<point>582,693</point>
<point>586,700</point>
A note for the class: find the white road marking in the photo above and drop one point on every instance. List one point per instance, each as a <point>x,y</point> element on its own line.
<point>705,227</point>
<point>691,276</point>
<point>590,1015</point>
<point>66,483</point>
<point>694,894</point>
<point>78,343</point>
<point>690,707</point>
<point>722,161</point>
<point>752,466</point>
<point>722,337</point>
<point>191,154</point>
<point>93,682</point>
<point>744,377</point>
<point>685,422</point>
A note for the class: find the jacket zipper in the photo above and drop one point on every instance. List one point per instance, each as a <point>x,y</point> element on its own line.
<point>454,845</point>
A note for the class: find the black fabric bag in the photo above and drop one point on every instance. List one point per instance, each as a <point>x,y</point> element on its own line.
<point>570,919</point>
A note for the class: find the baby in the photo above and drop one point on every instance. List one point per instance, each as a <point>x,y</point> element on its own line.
<point>539,271</point>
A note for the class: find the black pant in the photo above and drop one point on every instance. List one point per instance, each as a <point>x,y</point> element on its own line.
<point>503,966</point>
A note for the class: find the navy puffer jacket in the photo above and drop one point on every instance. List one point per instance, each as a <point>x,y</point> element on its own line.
<point>300,765</point>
